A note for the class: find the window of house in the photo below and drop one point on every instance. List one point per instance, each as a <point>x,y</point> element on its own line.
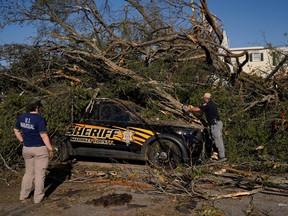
<point>256,57</point>
<point>274,57</point>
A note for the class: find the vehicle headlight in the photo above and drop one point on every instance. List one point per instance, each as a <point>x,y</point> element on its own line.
<point>179,132</point>
<point>185,132</point>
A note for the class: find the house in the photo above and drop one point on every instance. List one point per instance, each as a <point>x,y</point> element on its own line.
<point>262,60</point>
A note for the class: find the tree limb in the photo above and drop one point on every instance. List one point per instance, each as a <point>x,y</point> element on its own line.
<point>6,165</point>
<point>281,63</point>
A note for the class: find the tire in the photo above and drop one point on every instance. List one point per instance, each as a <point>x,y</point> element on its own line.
<point>63,152</point>
<point>164,154</point>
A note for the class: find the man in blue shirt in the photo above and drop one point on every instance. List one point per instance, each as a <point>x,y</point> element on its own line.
<point>30,130</point>
<point>209,108</point>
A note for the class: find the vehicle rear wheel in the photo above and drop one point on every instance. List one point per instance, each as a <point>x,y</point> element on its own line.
<point>164,154</point>
<point>63,152</point>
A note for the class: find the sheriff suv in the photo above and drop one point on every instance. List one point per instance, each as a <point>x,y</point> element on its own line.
<point>114,129</point>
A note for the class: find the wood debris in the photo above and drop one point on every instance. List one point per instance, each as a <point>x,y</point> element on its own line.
<point>237,194</point>
<point>111,182</point>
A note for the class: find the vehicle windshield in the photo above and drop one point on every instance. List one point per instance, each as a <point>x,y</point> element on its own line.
<point>127,111</point>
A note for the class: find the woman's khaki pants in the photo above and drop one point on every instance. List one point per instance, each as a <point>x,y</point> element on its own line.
<point>36,163</point>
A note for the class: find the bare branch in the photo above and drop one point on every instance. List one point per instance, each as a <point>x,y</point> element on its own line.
<point>6,165</point>
<point>281,63</point>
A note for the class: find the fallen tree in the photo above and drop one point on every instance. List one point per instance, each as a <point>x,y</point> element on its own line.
<point>139,33</point>
<point>158,54</point>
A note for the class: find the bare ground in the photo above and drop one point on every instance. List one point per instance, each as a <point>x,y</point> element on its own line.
<point>97,188</point>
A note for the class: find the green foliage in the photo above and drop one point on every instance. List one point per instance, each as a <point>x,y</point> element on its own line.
<point>59,113</point>
<point>58,56</point>
<point>10,109</point>
<point>244,131</point>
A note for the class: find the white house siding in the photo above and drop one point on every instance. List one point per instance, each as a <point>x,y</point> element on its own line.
<point>261,60</point>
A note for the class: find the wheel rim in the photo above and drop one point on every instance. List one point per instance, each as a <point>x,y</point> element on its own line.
<point>165,154</point>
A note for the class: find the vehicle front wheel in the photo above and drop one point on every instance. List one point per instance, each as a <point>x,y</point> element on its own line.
<point>164,153</point>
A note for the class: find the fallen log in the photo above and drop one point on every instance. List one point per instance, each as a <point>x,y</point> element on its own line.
<point>227,169</point>
<point>239,172</point>
<point>253,183</point>
<point>243,193</point>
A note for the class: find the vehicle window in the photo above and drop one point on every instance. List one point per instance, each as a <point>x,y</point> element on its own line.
<point>92,113</point>
<point>112,112</point>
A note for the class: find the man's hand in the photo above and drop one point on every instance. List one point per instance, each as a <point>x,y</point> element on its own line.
<point>51,154</point>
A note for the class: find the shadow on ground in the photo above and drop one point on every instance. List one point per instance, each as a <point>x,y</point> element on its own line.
<point>110,160</point>
<point>58,173</point>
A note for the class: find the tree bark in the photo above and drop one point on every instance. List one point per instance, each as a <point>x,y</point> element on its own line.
<point>281,63</point>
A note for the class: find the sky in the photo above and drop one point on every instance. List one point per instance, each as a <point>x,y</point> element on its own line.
<point>253,22</point>
<point>246,22</point>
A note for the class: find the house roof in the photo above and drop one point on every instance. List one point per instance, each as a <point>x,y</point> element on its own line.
<point>247,48</point>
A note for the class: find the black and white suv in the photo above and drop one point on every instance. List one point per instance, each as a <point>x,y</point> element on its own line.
<point>113,129</point>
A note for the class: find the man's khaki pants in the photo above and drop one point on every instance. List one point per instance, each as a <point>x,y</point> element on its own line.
<point>36,163</point>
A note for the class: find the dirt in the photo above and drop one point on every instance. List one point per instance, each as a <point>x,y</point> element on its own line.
<point>97,188</point>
